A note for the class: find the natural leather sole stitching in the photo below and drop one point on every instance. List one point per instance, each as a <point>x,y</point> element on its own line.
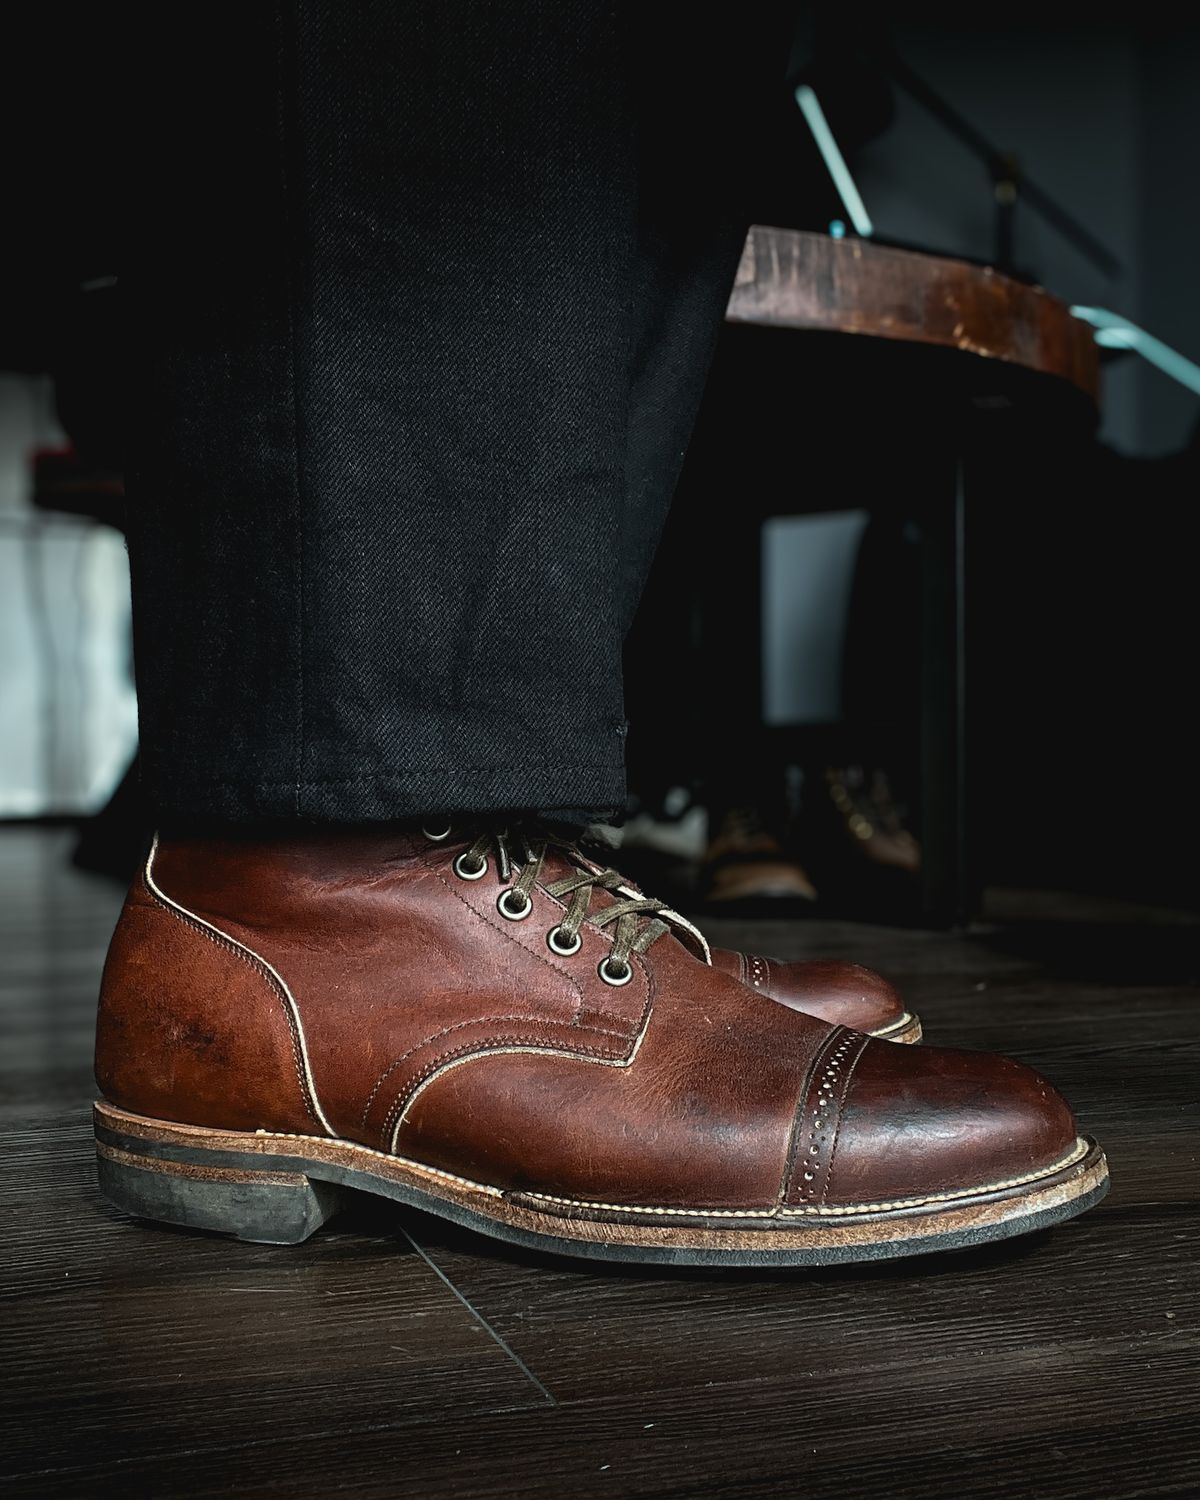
<point>279,1189</point>
<point>119,1119</point>
<point>962,1195</point>
<point>906,1029</point>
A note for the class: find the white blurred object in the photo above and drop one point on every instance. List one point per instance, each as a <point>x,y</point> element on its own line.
<point>681,838</point>
<point>807,573</point>
<point>67,705</point>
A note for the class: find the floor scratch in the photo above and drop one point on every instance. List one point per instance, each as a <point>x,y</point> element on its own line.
<point>480,1319</point>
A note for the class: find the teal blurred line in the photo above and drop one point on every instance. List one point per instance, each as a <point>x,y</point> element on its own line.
<point>1116,332</point>
<point>810,108</point>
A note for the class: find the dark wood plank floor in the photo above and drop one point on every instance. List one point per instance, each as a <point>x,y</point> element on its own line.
<point>394,1355</point>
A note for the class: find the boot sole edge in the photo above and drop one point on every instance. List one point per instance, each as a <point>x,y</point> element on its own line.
<point>279,1189</point>
<point>906,1032</point>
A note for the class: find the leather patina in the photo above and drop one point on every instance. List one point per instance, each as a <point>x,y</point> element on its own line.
<point>845,994</point>
<point>358,988</point>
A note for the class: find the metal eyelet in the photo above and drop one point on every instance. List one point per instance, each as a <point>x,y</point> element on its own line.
<point>465,872</point>
<point>623,976</point>
<point>556,946</point>
<point>513,916</point>
<point>437,836</point>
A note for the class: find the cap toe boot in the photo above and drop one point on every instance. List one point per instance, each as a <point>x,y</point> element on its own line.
<point>486,1028</point>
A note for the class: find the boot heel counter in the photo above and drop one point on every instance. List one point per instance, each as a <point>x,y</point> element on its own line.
<point>191,1029</point>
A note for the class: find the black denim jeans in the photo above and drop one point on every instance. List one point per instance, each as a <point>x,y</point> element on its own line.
<point>423,294</point>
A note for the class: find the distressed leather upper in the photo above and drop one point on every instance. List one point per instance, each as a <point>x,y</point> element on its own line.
<point>843,994</point>
<point>357,986</point>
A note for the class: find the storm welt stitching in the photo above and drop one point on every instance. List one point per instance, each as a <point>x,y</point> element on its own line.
<point>825,1210</point>
<point>821,1210</point>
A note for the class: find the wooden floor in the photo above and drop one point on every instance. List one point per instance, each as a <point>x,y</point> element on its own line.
<point>395,1356</point>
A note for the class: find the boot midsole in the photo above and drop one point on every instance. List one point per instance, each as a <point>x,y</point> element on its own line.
<point>807,1233</point>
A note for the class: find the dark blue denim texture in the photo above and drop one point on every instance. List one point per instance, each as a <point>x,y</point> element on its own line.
<point>423,298</point>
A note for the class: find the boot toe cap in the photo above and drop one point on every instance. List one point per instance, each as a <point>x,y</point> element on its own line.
<point>917,1122</point>
<point>844,994</point>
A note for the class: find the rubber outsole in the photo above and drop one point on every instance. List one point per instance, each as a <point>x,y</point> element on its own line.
<point>279,1189</point>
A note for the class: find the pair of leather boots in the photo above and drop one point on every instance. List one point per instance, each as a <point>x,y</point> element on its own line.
<point>494,1027</point>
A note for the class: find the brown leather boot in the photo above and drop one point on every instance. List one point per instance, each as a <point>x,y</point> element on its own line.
<point>485,1029</point>
<point>842,993</point>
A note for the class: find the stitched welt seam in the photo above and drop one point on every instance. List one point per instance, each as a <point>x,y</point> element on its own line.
<point>838,1211</point>
<point>1080,1151</point>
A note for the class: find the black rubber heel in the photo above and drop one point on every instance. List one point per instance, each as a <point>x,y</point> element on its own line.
<point>270,1208</point>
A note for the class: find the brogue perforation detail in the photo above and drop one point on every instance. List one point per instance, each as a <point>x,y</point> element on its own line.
<point>758,971</point>
<point>819,1117</point>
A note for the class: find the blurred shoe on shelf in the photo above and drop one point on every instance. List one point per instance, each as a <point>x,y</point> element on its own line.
<point>853,834</point>
<point>871,818</point>
<point>748,861</point>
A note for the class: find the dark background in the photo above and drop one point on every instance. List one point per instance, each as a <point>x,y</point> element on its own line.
<point>1082,668</point>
